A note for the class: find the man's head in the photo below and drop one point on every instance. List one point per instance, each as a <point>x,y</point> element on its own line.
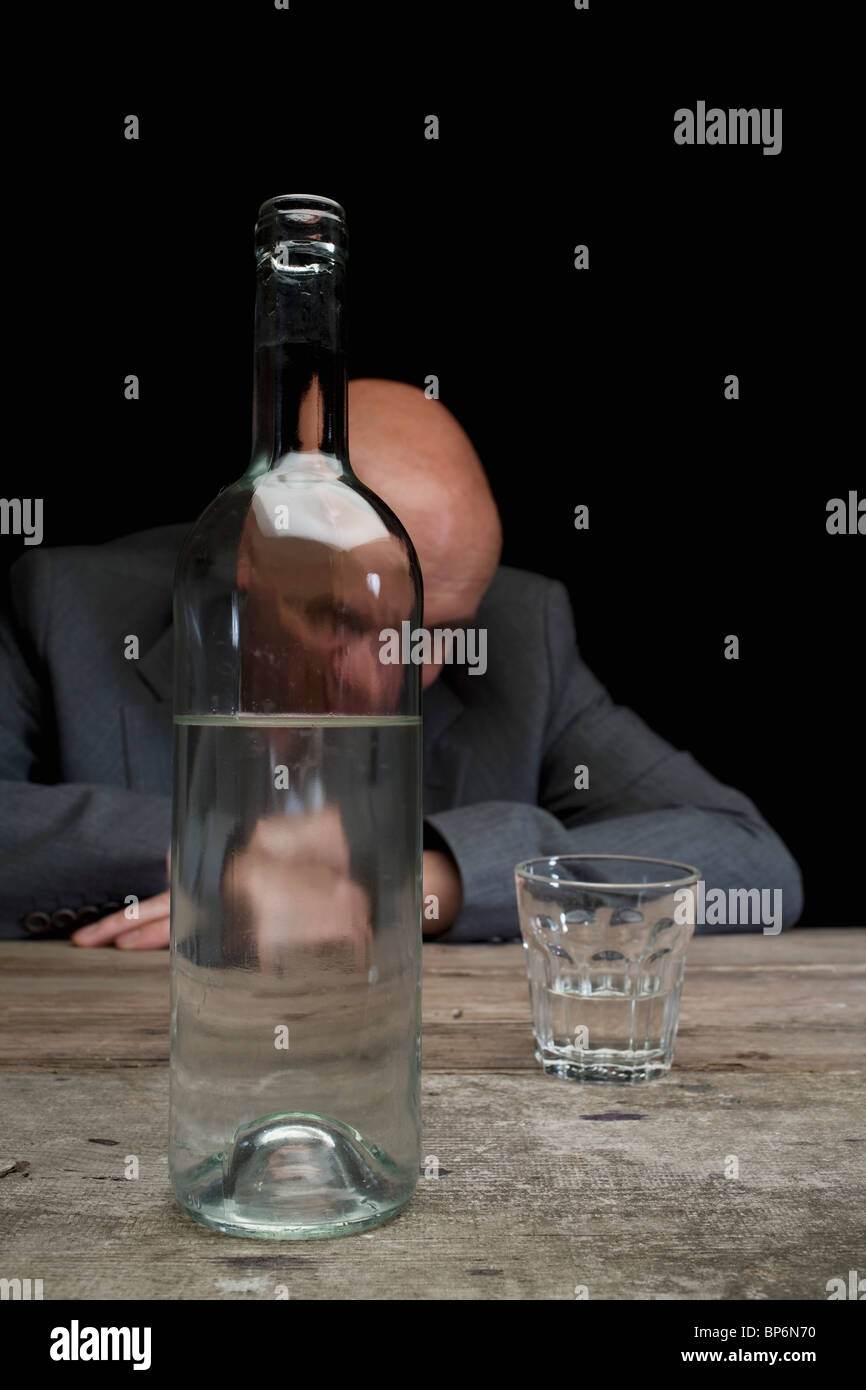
<point>325,587</point>
<point>413,454</point>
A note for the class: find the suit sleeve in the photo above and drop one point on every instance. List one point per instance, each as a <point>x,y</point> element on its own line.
<point>644,798</point>
<point>62,845</point>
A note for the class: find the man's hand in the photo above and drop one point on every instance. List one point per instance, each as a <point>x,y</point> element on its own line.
<point>291,887</point>
<point>441,878</point>
<point>152,930</point>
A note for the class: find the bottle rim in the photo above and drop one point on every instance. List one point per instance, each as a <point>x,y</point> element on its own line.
<point>298,203</point>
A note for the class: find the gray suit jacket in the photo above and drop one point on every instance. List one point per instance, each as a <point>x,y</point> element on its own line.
<point>86,748</point>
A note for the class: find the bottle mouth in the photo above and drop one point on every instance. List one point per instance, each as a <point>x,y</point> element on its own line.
<point>306,218</point>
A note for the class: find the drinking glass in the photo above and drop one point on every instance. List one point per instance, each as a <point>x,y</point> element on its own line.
<point>605,938</point>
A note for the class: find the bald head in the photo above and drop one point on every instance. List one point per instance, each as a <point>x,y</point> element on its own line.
<point>414,455</point>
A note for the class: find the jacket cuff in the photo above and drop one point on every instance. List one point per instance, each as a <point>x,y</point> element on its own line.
<point>489,911</point>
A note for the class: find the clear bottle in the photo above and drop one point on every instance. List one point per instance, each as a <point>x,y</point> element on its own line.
<point>296,845</point>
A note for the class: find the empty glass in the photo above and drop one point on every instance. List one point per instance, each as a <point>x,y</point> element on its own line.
<point>605,938</point>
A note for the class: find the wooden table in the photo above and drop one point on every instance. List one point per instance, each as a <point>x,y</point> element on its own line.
<point>543,1185</point>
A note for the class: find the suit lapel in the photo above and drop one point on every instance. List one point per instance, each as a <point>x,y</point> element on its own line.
<point>147,740</point>
<point>156,667</point>
<point>147,725</point>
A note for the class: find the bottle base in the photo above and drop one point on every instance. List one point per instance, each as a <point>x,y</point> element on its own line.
<point>363,1222</point>
<point>295,1177</point>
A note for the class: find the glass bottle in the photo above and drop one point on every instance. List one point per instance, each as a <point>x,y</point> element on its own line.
<point>296,842</point>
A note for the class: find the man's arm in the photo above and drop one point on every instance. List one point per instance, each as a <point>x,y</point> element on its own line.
<point>69,845</point>
<point>644,798</point>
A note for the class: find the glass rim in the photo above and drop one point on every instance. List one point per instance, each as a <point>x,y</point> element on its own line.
<point>523,871</point>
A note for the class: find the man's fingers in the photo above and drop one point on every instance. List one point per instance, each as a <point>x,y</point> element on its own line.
<point>117,923</point>
<point>151,937</point>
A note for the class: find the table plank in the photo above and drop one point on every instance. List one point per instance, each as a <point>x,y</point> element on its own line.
<point>65,1008</point>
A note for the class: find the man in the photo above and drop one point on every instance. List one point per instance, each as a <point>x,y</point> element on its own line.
<point>85,742</point>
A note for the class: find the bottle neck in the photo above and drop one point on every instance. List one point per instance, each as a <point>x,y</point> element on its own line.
<point>300,392</point>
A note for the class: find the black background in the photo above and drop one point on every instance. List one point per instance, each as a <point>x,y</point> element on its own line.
<point>603,387</point>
